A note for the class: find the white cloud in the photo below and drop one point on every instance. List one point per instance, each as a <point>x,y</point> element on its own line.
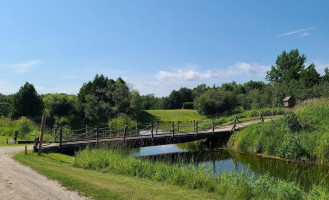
<point>23,67</point>
<point>302,32</point>
<point>239,69</point>
<point>20,68</point>
<point>8,88</point>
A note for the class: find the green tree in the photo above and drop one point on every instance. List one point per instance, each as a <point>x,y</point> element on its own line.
<point>216,102</point>
<point>26,102</point>
<point>4,108</point>
<point>59,105</point>
<point>325,77</point>
<point>287,67</point>
<point>310,77</point>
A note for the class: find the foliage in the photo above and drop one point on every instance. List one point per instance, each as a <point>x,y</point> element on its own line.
<point>188,105</point>
<point>104,98</point>
<point>288,67</point>
<point>216,102</point>
<point>26,102</point>
<point>230,185</point>
<point>59,104</point>
<point>303,135</point>
<point>4,108</point>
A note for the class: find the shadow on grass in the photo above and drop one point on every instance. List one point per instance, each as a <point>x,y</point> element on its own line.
<point>145,117</point>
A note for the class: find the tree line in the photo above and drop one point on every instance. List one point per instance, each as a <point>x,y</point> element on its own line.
<point>103,98</point>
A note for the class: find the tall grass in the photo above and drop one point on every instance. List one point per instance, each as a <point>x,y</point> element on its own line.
<point>231,185</point>
<point>301,135</point>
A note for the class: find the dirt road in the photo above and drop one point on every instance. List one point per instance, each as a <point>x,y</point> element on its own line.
<point>20,182</point>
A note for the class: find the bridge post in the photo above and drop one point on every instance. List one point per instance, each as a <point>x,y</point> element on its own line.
<point>125,132</point>
<point>60,138</point>
<point>55,132</point>
<point>156,128</point>
<point>136,128</point>
<point>152,130</point>
<point>193,125</point>
<point>261,117</point>
<point>15,137</point>
<point>110,129</point>
<point>177,126</point>
<point>96,127</point>
<point>196,126</point>
<point>173,129</point>
<point>86,129</point>
<point>213,126</point>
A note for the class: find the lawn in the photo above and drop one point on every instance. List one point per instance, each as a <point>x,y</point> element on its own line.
<point>98,185</point>
<point>175,115</point>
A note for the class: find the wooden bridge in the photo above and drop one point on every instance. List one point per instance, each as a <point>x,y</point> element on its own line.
<point>65,140</point>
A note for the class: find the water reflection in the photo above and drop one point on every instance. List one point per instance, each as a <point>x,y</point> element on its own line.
<point>220,160</point>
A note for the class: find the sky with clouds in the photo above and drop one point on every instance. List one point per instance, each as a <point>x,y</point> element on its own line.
<point>156,46</point>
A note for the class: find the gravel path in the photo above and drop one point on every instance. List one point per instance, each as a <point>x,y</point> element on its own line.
<point>21,182</point>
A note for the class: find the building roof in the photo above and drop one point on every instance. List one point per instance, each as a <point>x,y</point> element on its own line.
<point>287,98</point>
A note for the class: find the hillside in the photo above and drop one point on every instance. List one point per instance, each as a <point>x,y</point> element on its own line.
<point>302,134</point>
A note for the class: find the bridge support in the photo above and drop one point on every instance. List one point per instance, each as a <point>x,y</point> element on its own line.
<point>173,129</point>
<point>125,132</point>
<point>60,138</point>
<point>196,127</point>
<point>152,130</point>
<point>96,127</point>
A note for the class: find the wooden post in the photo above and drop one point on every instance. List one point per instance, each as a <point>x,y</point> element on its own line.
<point>193,125</point>
<point>261,117</point>
<point>15,137</point>
<point>55,132</point>
<point>152,130</point>
<point>110,129</point>
<point>86,130</point>
<point>196,126</point>
<point>25,149</point>
<point>125,132</point>
<point>60,138</point>
<point>177,126</point>
<point>43,126</point>
<point>173,129</point>
<point>96,134</point>
<point>7,140</point>
<point>136,128</point>
<point>156,127</point>
<point>213,126</point>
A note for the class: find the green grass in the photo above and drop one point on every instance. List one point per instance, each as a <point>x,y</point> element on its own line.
<point>230,185</point>
<point>98,185</point>
<point>309,142</point>
<point>174,115</point>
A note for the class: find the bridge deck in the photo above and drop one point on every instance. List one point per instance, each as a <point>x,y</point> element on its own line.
<point>145,140</point>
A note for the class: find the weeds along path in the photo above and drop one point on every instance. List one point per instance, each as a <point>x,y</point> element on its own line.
<point>20,182</point>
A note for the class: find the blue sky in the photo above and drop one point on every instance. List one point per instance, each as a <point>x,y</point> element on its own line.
<point>156,46</point>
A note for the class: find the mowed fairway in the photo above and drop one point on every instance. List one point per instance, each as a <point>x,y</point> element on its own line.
<point>176,115</point>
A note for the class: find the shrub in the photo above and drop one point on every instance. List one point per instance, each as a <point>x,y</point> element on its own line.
<point>188,105</point>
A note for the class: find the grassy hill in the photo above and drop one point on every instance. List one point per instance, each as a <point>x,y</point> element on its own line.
<point>170,115</point>
<point>302,134</point>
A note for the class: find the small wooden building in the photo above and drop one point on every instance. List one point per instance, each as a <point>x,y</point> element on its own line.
<point>289,102</point>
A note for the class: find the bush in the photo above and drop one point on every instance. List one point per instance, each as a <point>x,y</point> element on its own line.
<point>188,105</point>
<point>25,125</point>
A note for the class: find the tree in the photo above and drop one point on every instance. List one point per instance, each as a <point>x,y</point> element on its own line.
<point>103,98</point>
<point>4,108</point>
<point>310,77</point>
<point>216,102</point>
<point>325,77</point>
<point>26,102</point>
<point>59,105</point>
<point>288,67</point>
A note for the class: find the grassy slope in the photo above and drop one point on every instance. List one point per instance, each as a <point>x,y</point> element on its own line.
<point>176,115</point>
<point>105,186</point>
<point>310,143</point>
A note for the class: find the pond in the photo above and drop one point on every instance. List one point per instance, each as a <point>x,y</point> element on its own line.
<point>220,160</point>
